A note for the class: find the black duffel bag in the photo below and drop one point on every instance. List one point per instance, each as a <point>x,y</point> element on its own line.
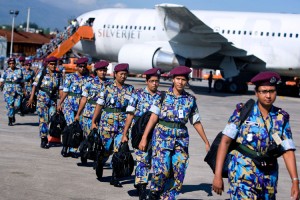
<point>88,147</point>
<point>57,124</point>
<point>72,135</point>
<point>122,161</point>
<point>27,109</point>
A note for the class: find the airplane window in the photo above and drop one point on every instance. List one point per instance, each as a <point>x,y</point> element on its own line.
<point>297,35</point>
<point>117,26</point>
<point>239,32</point>
<point>278,34</point>
<point>145,27</point>
<point>233,32</point>
<point>140,27</point>
<point>112,26</point>
<point>228,32</point>
<point>149,28</point>
<point>284,35</point>
<point>261,33</point>
<point>273,34</point>
<point>267,33</point>
<point>130,27</point>
<point>121,27</point>
<point>104,26</point>
<point>154,28</point>
<point>250,32</point>
<point>245,32</point>
<point>108,26</point>
<point>291,34</point>
<point>126,27</point>
<point>135,27</point>
<point>223,31</point>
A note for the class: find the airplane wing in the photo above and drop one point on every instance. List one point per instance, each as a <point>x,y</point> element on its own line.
<point>183,27</point>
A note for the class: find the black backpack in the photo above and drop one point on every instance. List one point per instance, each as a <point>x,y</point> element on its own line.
<point>57,125</point>
<point>138,128</point>
<point>72,135</point>
<point>122,161</point>
<point>27,109</point>
<point>211,155</point>
<point>88,147</point>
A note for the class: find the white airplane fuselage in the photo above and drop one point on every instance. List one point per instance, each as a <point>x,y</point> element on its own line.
<point>273,38</point>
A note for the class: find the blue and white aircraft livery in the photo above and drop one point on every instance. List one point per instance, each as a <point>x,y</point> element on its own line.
<point>240,44</point>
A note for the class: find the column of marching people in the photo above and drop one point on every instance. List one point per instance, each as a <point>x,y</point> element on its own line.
<point>108,109</point>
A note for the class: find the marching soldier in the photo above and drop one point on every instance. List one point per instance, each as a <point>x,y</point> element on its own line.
<point>140,102</point>
<point>265,135</point>
<point>72,89</point>
<point>46,85</point>
<point>114,100</point>
<point>12,80</point>
<point>170,139</point>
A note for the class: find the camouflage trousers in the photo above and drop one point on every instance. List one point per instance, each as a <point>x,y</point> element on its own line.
<point>69,114</point>
<point>111,141</point>
<point>13,103</point>
<point>143,166</point>
<point>86,125</point>
<point>45,111</point>
<point>169,160</point>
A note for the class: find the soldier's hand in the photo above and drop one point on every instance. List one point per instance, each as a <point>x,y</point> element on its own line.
<point>59,108</point>
<point>207,147</point>
<point>143,144</point>
<point>124,139</point>
<point>94,126</point>
<point>29,103</point>
<point>218,185</point>
<point>76,118</point>
<point>295,190</point>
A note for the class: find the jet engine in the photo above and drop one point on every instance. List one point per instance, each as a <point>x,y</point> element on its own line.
<point>142,57</point>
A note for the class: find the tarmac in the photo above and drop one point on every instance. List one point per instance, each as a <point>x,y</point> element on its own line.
<point>29,172</point>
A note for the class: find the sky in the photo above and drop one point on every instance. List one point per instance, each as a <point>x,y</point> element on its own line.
<point>56,13</point>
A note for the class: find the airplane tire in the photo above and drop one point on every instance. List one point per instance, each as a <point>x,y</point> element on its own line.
<point>219,85</point>
<point>233,87</point>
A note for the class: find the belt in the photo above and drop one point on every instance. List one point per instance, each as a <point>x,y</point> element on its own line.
<point>171,124</point>
<point>47,91</point>
<point>92,101</point>
<point>248,152</point>
<point>10,82</point>
<point>114,110</point>
<point>72,94</point>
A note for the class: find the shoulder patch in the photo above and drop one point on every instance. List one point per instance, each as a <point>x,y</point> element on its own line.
<point>239,106</point>
<point>284,113</point>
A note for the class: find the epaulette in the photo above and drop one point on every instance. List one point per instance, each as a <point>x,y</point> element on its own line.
<point>239,106</point>
<point>284,113</point>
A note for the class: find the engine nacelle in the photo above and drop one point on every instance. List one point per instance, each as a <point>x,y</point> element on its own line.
<point>142,57</point>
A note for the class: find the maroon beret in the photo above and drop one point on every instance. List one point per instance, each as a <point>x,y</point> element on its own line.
<point>101,64</point>
<point>21,58</point>
<point>153,72</point>
<point>51,59</point>
<point>122,67</point>
<point>11,60</point>
<point>82,60</point>
<point>27,62</point>
<point>266,79</point>
<point>180,70</point>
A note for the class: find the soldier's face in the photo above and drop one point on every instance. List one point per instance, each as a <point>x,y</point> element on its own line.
<point>266,95</point>
<point>121,76</point>
<point>12,64</point>
<point>52,66</point>
<point>27,66</point>
<point>153,83</point>
<point>81,68</point>
<point>179,82</point>
<point>101,73</point>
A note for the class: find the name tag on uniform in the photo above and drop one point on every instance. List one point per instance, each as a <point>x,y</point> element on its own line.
<point>180,114</point>
<point>127,96</point>
<point>250,123</point>
<point>276,138</point>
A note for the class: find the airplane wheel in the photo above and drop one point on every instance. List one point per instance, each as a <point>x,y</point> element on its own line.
<point>219,85</point>
<point>233,87</point>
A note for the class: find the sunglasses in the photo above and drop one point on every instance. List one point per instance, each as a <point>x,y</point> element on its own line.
<point>52,63</point>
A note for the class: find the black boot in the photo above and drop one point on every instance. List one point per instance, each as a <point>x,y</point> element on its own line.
<point>13,119</point>
<point>10,121</point>
<point>44,142</point>
<point>154,195</point>
<point>64,151</point>
<point>142,191</point>
<point>114,181</point>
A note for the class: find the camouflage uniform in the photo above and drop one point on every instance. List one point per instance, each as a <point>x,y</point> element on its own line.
<point>46,99</point>
<point>28,77</point>
<point>91,91</point>
<point>140,102</point>
<point>170,142</point>
<point>246,181</point>
<point>73,85</point>
<point>112,122</point>
<point>12,90</point>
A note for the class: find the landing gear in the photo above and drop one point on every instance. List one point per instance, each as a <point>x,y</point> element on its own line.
<point>233,86</point>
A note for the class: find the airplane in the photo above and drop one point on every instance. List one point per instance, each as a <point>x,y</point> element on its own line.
<point>240,44</point>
